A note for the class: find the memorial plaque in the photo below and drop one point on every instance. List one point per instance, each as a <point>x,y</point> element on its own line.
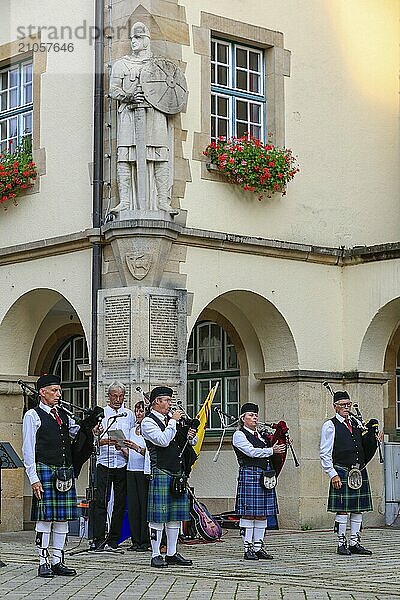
<point>117,326</point>
<point>163,327</point>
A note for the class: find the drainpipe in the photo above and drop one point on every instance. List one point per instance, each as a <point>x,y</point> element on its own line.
<point>98,176</point>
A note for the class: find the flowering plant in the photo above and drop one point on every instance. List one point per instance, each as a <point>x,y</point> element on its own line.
<point>255,166</point>
<point>17,171</point>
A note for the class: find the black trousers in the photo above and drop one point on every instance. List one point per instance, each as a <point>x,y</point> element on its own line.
<point>137,486</point>
<point>106,477</point>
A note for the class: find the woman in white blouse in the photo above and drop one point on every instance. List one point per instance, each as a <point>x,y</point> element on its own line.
<point>137,484</point>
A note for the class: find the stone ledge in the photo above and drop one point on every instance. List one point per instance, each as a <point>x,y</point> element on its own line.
<point>73,242</point>
<point>320,376</point>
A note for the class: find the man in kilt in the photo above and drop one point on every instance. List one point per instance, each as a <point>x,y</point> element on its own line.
<point>253,501</point>
<point>46,449</point>
<point>164,508</point>
<point>341,449</point>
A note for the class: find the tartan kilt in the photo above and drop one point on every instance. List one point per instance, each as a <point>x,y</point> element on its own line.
<point>252,499</point>
<point>54,505</point>
<point>347,500</point>
<point>162,507</point>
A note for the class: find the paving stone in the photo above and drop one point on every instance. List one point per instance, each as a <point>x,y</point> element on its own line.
<point>303,568</point>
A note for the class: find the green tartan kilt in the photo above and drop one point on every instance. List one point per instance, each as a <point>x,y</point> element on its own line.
<point>54,505</point>
<point>347,500</point>
<point>162,507</point>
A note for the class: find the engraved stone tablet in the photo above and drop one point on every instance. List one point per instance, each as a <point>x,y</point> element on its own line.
<point>117,326</point>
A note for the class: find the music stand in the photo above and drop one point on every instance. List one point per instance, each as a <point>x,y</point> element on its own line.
<point>9,459</point>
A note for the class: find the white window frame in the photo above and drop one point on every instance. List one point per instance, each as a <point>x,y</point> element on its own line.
<point>233,94</point>
<point>13,119</point>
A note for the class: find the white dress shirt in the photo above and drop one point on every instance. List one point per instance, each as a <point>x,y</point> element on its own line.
<point>30,425</point>
<point>136,460</point>
<point>241,442</point>
<point>152,432</point>
<point>326,446</point>
<point>109,456</point>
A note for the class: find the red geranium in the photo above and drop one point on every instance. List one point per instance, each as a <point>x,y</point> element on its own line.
<point>255,166</point>
<point>17,171</point>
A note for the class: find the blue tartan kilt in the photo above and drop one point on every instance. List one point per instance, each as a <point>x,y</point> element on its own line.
<point>252,499</point>
<point>54,505</point>
<point>347,500</point>
<point>162,507</point>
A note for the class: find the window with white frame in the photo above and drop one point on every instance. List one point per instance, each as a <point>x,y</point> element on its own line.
<point>238,100</point>
<point>16,104</point>
<point>75,386</point>
<point>214,353</point>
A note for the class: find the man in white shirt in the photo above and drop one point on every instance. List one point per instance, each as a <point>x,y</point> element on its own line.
<point>111,470</point>
<point>46,431</point>
<point>254,503</point>
<point>341,451</point>
<point>164,508</point>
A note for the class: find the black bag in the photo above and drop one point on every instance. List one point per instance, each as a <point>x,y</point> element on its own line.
<point>178,485</point>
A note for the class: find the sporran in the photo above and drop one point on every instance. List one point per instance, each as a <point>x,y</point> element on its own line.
<point>64,479</point>
<point>354,478</point>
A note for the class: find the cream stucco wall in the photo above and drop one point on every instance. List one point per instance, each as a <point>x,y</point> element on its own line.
<point>64,204</point>
<point>341,110</point>
<point>304,293</point>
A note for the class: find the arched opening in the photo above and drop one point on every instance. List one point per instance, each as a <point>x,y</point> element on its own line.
<point>213,355</point>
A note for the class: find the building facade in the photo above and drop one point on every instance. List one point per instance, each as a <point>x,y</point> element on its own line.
<point>271,298</point>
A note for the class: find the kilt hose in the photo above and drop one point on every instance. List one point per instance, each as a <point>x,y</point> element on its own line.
<point>54,505</point>
<point>162,507</point>
<point>252,499</point>
<point>347,500</point>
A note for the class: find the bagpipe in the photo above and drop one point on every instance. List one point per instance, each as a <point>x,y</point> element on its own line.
<point>368,429</point>
<point>273,433</point>
<point>83,443</point>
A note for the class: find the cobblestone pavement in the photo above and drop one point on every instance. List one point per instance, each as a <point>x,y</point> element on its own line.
<point>305,566</point>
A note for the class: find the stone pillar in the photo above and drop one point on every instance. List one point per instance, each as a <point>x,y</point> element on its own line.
<point>12,480</point>
<point>142,309</point>
<point>299,398</point>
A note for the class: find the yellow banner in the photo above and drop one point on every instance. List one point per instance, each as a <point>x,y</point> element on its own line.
<point>203,416</point>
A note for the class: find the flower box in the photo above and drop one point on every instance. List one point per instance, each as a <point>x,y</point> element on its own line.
<point>254,166</point>
<point>17,171</point>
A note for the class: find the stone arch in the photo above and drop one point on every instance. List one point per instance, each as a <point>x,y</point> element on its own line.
<point>377,337</point>
<point>261,327</point>
<point>262,336</point>
<point>27,326</point>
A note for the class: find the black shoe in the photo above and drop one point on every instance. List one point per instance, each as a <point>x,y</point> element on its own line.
<point>45,570</point>
<point>141,548</point>
<point>250,555</point>
<point>358,549</point>
<point>158,561</point>
<point>262,555</point>
<point>177,559</point>
<point>111,546</point>
<point>97,545</point>
<point>132,548</point>
<point>61,569</point>
<point>343,550</point>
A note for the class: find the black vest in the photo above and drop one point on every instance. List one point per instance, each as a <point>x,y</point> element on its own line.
<point>167,458</point>
<point>347,447</point>
<point>53,444</point>
<point>248,461</point>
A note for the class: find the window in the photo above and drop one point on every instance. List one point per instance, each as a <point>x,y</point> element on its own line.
<point>237,90</point>
<point>16,104</point>
<point>215,355</point>
<point>75,386</point>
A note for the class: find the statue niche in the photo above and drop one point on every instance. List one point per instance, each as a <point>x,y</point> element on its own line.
<point>148,89</point>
